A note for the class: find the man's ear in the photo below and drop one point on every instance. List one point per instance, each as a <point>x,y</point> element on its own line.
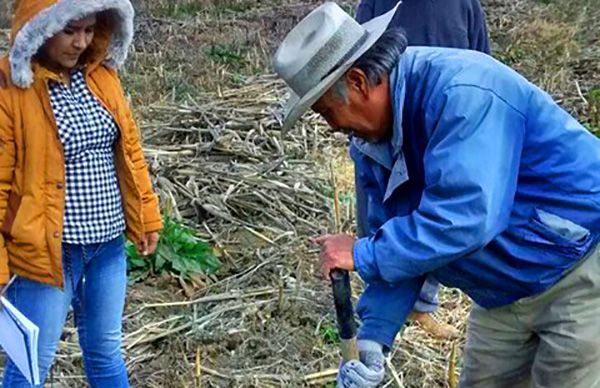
<point>357,80</point>
<point>3,82</point>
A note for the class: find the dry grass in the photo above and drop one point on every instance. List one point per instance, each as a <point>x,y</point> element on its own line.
<point>555,44</point>
<point>5,8</point>
<point>185,48</point>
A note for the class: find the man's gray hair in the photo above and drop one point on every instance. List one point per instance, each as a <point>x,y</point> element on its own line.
<point>378,61</point>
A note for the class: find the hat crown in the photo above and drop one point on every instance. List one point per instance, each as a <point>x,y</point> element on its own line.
<point>312,49</point>
<point>319,50</point>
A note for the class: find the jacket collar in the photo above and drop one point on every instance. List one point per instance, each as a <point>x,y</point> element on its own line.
<point>41,73</point>
<point>386,152</point>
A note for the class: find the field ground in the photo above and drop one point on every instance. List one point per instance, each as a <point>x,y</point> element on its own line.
<point>199,80</point>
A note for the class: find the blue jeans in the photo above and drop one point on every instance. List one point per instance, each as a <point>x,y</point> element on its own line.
<point>428,301</point>
<point>95,282</point>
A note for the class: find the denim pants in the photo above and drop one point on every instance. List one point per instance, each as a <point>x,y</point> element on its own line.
<point>95,282</point>
<point>428,301</point>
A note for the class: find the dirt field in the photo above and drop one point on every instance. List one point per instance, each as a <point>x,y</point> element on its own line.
<point>199,80</point>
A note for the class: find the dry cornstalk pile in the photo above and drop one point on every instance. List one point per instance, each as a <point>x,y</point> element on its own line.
<point>224,157</point>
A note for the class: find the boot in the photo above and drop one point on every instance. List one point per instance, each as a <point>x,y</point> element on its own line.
<point>436,329</point>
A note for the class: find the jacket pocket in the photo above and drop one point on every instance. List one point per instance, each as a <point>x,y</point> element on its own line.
<point>14,202</point>
<point>557,233</point>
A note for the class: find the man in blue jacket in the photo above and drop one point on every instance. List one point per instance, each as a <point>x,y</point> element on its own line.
<point>447,23</point>
<point>472,175</point>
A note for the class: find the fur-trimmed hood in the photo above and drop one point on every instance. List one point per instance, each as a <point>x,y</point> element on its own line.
<point>35,21</point>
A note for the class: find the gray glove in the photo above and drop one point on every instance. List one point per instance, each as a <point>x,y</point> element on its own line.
<point>366,373</point>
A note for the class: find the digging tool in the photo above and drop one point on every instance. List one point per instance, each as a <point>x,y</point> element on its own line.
<point>342,292</point>
<point>342,297</point>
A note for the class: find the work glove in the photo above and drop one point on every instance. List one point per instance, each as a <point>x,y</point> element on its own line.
<point>366,373</point>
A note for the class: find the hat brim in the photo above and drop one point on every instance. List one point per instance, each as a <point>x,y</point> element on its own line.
<point>296,106</point>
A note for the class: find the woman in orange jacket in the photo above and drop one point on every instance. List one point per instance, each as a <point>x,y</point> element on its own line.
<point>72,178</point>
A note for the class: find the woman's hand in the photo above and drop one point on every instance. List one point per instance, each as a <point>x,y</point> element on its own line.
<point>147,244</point>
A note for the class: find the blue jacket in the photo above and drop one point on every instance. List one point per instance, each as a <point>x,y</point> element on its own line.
<point>486,184</point>
<point>445,23</point>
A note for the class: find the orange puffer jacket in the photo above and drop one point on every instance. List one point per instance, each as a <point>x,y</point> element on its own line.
<point>32,165</point>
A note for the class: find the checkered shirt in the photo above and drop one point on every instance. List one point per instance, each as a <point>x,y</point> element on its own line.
<point>93,208</point>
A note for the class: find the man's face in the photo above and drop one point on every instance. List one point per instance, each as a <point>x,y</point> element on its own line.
<point>366,112</point>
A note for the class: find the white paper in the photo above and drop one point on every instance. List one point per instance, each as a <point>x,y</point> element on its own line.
<point>19,339</point>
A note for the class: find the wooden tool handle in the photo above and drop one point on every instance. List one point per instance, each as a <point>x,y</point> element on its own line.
<point>349,349</point>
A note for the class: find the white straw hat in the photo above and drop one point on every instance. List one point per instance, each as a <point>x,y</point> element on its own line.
<point>319,50</point>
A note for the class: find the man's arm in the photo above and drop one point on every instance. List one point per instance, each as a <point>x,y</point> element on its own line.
<point>471,168</point>
<point>382,308</point>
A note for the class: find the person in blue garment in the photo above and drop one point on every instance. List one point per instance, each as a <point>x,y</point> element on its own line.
<point>444,23</point>
<point>447,23</point>
<point>471,174</point>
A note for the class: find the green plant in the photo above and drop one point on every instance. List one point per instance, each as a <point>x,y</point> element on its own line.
<point>329,334</point>
<point>238,79</point>
<point>510,56</point>
<point>226,54</point>
<point>179,252</point>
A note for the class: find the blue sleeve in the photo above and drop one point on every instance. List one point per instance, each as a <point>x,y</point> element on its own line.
<point>478,34</point>
<point>383,309</point>
<point>471,168</point>
<point>365,11</point>
<point>367,194</point>
<point>362,216</point>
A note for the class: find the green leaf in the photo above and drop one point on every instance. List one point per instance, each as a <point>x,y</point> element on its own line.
<point>138,275</point>
<point>178,252</point>
<point>159,263</point>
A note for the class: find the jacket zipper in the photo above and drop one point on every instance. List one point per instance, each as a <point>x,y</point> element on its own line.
<point>52,117</point>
